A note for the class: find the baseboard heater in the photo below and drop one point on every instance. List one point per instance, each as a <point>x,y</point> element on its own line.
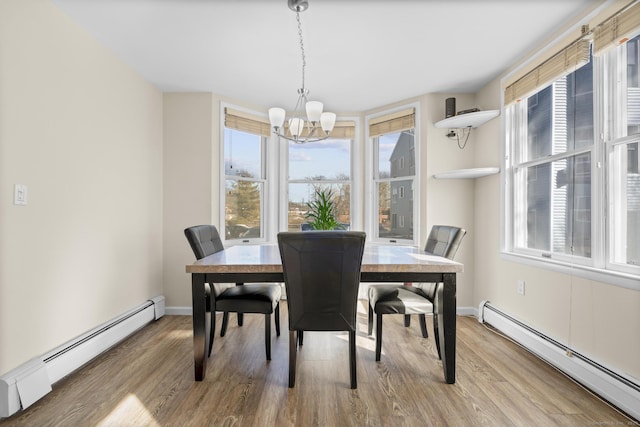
<point>620,391</point>
<point>29,382</point>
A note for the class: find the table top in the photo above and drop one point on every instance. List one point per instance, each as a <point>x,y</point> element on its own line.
<point>376,259</point>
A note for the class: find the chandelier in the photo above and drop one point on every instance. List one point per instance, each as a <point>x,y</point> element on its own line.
<point>313,126</point>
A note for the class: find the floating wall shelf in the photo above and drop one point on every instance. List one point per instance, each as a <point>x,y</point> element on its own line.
<point>467,173</point>
<point>469,120</point>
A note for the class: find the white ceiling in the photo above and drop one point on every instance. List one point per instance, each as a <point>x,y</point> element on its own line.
<point>361,54</point>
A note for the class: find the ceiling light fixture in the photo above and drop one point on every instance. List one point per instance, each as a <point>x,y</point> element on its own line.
<point>300,128</point>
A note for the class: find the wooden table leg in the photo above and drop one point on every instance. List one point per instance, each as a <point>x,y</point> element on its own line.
<point>199,325</point>
<point>446,295</point>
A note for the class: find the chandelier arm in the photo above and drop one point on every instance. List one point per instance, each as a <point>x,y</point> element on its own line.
<point>301,141</point>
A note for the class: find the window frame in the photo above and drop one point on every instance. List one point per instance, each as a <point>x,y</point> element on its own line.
<point>355,182</point>
<point>371,203</point>
<point>598,267</point>
<point>266,180</point>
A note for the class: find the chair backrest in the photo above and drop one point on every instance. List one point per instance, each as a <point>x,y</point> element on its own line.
<point>321,276</point>
<point>444,240</point>
<point>204,240</point>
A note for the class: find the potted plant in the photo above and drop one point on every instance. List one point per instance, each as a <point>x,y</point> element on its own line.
<point>322,211</point>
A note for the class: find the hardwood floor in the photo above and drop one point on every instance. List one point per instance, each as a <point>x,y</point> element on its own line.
<point>148,381</point>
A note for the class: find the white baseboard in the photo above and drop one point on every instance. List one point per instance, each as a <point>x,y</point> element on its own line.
<point>29,382</point>
<point>179,311</point>
<point>619,390</point>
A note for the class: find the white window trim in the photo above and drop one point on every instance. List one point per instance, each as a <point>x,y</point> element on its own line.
<point>371,198</point>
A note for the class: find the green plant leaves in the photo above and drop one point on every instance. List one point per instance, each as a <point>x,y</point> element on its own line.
<point>321,213</point>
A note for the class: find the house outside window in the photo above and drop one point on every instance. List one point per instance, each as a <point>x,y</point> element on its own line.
<point>552,172</point>
<point>394,175</point>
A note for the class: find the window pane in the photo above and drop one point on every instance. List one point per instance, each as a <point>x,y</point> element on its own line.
<point>560,116</point>
<point>558,206</point>
<point>242,209</point>
<point>395,209</point>
<point>580,130</point>
<point>328,159</point>
<point>539,120</point>
<point>396,155</point>
<point>626,215</point>
<point>301,193</point>
<point>242,154</point>
<point>633,86</point>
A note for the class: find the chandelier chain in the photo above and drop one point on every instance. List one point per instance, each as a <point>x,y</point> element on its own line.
<point>304,59</point>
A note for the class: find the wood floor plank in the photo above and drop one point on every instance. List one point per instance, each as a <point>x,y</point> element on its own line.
<point>148,380</point>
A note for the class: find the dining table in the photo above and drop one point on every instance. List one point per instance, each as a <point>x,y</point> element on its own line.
<point>254,263</point>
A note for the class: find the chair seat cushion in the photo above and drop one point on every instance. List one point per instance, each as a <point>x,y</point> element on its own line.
<point>396,299</point>
<point>252,298</point>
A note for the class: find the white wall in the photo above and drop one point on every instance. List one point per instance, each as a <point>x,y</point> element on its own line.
<point>85,134</point>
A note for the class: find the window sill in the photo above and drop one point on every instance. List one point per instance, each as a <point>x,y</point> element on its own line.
<point>611,277</point>
<point>467,173</point>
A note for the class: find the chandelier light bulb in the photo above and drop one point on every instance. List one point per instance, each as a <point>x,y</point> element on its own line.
<point>314,110</point>
<point>276,117</point>
<point>296,125</point>
<point>327,121</point>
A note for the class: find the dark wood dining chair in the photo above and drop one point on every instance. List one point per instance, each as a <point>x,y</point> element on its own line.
<point>418,298</point>
<point>242,298</point>
<point>321,276</point>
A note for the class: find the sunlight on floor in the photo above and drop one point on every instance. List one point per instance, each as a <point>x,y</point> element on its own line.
<point>180,334</point>
<point>133,411</point>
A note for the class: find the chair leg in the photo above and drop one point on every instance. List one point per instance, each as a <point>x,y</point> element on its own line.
<point>423,325</point>
<point>352,359</point>
<point>378,336</point>
<point>278,319</point>
<point>212,331</point>
<point>370,320</point>
<point>300,337</point>
<point>436,334</point>
<point>407,320</point>
<point>293,344</point>
<point>267,335</point>
<point>225,322</point>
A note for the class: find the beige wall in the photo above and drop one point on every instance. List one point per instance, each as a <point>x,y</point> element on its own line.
<point>85,134</point>
<point>596,319</point>
<point>188,172</point>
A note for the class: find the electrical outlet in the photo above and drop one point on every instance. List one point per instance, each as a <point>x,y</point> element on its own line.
<point>20,194</point>
<point>520,287</point>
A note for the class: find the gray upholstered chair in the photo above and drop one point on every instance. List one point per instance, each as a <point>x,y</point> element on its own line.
<point>321,276</point>
<point>251,298</point>
<point>419,298</point>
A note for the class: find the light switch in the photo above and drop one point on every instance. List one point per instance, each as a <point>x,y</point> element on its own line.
<point>20,194</point>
